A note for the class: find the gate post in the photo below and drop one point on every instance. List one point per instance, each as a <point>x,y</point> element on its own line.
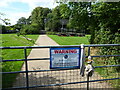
<point>26,68</point>
<point>88,51</point>
<point>88,75</point>
<point>82,59</point>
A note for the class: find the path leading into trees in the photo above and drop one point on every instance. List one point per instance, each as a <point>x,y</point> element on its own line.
<point>52,77</point>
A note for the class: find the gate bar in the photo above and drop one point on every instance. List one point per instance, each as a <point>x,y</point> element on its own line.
<point>49,58</point>
<point>63,46</point>
<point>26,67</point>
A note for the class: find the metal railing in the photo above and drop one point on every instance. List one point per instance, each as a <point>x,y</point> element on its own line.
<point>48,72</point>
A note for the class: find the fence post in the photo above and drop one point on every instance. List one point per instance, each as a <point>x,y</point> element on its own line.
<point>88,74</point>
<point>26,68</point>
<point>88,51</point>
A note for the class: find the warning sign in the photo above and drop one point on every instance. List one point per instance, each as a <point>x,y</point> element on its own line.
<point>64,58</point>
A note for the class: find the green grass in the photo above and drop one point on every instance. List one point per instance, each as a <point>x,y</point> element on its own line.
<point>70,40</point>
<point>13,40</point>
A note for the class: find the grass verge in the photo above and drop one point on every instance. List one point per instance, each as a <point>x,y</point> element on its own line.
<point>13,40</point>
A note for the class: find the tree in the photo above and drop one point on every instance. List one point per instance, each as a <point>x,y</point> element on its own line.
<point>107,15</point>
<point>29,29</point>
<point>3,29</point>
<point>53,18</point>
<point>4,20</point>
<point>64,11</point>
<point>107,28</point>
<point>20,23</point>
<point>78,15</point>
<point>22,20</point>
<point>35,23</point>
<point>38,16</point>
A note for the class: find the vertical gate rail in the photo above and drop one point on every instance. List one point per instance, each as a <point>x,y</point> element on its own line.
<point>27,71</point>
<point>26,68</point>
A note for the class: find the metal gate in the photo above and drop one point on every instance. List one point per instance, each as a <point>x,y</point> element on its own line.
<point>62,78</point>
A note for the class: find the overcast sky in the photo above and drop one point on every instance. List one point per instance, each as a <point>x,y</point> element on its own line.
<point>15,9</point>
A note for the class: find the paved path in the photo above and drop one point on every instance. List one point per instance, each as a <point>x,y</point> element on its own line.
<point>43,40</point>
<point>53,77</point>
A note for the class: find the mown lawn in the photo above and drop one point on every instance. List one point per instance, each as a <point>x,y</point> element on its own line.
<point>14,40</point>
<point>8,54</point>
<point>62,40</point>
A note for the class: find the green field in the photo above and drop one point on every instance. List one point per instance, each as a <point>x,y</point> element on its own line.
<point>8,54</point>
<point>70,40</point>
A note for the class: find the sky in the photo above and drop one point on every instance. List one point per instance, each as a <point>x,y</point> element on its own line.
<point>15,9</point>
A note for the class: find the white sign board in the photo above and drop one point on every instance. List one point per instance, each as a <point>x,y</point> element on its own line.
<point>64,58</point>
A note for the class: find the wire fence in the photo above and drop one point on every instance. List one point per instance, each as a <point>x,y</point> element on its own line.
<point>67,79</point>
<point>105,77</point>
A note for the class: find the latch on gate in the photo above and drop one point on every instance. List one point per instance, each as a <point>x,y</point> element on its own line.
<point>89,69</point>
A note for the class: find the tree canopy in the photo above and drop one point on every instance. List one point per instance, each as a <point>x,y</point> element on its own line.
<point>38,16</point>
<point>84,17</point>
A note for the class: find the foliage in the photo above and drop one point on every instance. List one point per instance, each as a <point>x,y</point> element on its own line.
<point>64,11</point>
<point>107,15</point>
<point>53,23</point>
<point>7,29</point>
<point>79,18</point>
<point>38,17</point>
<point>51,33</point>
<point>29,29</point>
<point>4,20</point>
<point>3,29</point>
<point>106,30</point>
<point>70,15</point>
<point>22,20</point>
<point>108,33</point>
<point>34,24</point>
